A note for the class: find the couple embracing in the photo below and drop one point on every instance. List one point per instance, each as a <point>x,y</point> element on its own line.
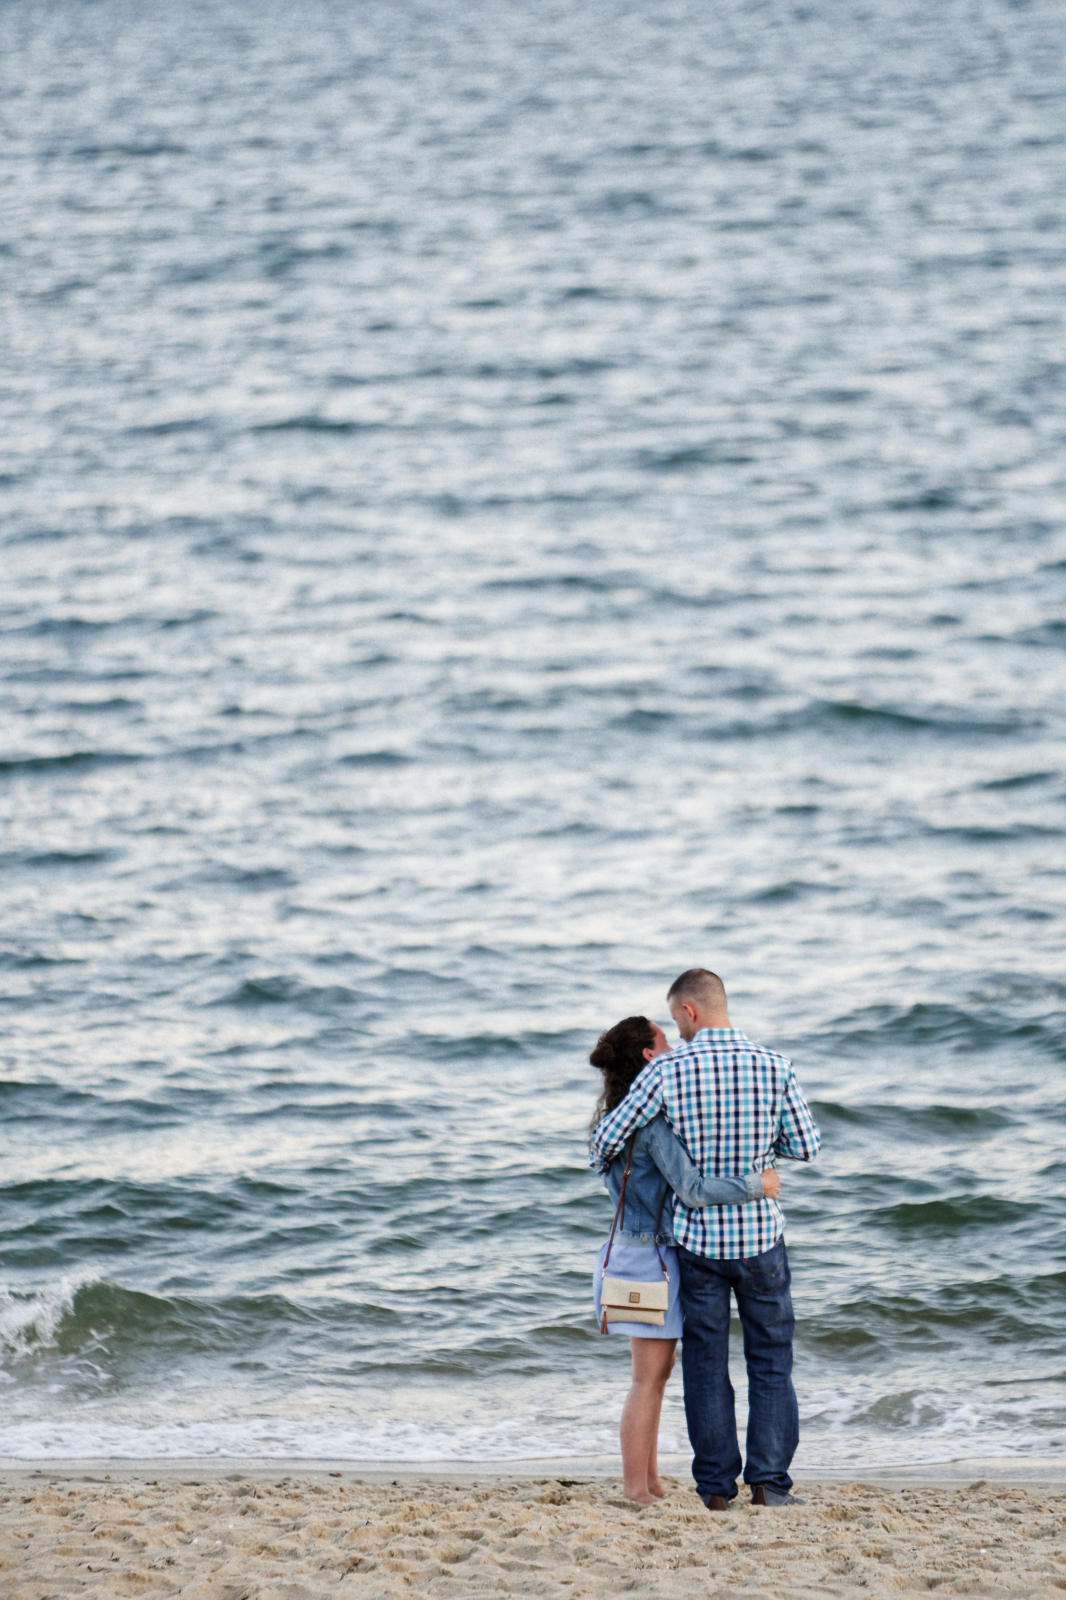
<point>687,1139</point>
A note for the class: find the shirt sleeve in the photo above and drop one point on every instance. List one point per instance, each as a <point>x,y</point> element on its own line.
<point>644,1101</point>
<point>688,1182</point>
<point>798,1138</point>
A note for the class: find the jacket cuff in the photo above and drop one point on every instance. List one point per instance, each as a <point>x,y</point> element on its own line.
<point>754,1183</point>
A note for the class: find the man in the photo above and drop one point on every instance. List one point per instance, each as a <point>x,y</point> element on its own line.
<point>736,1107</point>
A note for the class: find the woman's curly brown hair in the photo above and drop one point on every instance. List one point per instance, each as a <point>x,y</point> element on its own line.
<point>619,1055</point>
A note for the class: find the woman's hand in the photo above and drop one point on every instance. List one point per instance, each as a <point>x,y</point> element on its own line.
<point>771,1183</point>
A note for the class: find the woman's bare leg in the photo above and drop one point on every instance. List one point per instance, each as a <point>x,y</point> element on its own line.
<point>655,1487</point>
<point>653,1360</point>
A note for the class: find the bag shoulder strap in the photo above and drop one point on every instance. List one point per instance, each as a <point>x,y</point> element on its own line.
<point>620,1207</point>
<point>619,1212</point>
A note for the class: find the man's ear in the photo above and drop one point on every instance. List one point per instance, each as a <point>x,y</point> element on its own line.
<point>648,1053</point>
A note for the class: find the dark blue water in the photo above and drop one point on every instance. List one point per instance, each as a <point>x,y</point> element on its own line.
<point>500,504</point>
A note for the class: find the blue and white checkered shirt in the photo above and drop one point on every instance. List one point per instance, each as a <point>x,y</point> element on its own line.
<point>736,1107</point>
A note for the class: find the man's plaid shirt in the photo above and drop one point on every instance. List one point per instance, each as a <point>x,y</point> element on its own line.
<point>735,1107</point>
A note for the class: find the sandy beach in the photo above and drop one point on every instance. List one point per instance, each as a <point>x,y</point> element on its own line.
<point>230,1534</point>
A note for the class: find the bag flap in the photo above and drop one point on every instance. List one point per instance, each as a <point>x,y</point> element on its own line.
<point>627,1293</point>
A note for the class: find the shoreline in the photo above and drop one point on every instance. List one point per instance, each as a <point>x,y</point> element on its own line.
<point>1032,1471</point>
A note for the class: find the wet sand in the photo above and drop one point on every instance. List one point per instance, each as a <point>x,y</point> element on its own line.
<point>215,1533</point>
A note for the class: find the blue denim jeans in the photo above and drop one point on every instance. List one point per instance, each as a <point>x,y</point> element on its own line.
<point>762,1287</point>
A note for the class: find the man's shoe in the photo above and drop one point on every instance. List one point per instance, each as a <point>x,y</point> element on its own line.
<point>763,1495</point>
<point>715,1502</point>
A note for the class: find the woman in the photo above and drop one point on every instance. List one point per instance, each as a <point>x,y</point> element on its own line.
<point>643,1243</point>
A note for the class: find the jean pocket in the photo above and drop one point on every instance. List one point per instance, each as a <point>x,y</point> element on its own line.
<point>769,1272</point>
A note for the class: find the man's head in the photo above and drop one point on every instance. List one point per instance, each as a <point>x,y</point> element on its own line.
<point>697,1000</point>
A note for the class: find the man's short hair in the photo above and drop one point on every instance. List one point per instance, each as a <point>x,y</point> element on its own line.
<point>700,987</point>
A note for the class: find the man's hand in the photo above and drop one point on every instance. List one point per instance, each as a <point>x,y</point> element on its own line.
<point>771,1183</point>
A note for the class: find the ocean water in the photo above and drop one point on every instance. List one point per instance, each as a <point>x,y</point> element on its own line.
<point>500,504</point>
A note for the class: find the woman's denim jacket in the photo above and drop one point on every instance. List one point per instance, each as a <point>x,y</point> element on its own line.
<point>661,1164</point>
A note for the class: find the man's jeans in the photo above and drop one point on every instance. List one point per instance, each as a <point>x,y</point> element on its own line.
<point>761,1285</point>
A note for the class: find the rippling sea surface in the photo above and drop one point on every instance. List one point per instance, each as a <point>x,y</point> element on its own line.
<point>501,503</point>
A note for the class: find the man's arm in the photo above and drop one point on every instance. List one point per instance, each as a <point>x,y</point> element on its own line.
<point>798,1138</point>
<point>644,1101</point>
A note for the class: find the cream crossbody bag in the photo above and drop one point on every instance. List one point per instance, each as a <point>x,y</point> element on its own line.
<point>633,1299</point>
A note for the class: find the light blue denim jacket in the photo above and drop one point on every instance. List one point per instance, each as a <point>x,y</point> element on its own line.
<point>661,1164</point>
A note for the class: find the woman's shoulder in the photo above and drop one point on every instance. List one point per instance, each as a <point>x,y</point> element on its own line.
<point>644,1141</point>
<point>657,1122</point>
<point>651,1132</point>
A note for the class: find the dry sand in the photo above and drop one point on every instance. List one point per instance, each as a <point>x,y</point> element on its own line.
<point>298,1535</point>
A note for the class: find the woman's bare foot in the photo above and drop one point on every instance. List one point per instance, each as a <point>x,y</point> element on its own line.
<point>655,1488</point>
<point>641,1498</point>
